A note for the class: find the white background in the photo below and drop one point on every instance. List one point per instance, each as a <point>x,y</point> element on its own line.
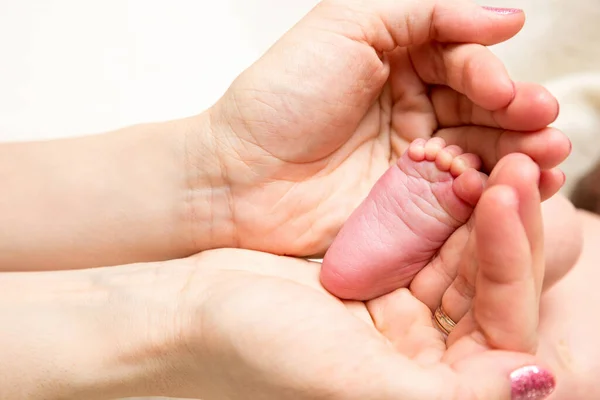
<point>70,67</point>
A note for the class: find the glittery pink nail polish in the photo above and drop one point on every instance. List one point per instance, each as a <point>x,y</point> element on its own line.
<point>531,383</point>
<point>503,11</point>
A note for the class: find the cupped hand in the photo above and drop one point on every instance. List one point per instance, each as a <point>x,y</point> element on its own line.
<point>452,279</point>
<point>567,338</point>
<point>260,326</point>
<point>305,132</point>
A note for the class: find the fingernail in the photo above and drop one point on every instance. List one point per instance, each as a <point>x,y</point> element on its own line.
<point>570,145</point>
<point>564,176</point>
<point>531,383</point>
<point>503,11</point>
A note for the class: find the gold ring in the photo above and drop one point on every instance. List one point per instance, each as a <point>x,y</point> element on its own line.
<point>443,321</point>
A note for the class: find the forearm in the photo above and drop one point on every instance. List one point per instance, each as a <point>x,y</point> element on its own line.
<point>86,334</point>
<point>109,199</point>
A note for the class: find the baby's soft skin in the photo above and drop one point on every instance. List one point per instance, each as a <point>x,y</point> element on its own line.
<point>419,209</point>
<point>409,214</point>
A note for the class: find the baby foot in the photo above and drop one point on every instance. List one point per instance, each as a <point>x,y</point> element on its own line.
<point>410,212</point>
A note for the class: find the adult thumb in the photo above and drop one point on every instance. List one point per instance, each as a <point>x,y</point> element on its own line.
<point>500,375</point>
<point>385,24</point>
<point>489,375</point>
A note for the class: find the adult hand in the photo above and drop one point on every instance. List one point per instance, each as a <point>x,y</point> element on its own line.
<point>238,324</point>
<point>567,335</point>
<point>451,280</point>
<point>261,326</point>
<point>304,133</point>
<point>268,329</point>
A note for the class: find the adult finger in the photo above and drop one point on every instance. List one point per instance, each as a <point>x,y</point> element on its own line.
<point>385,24</point>
<point>533,108</point>
<point>505,375</point>
<point>332,65</point>
<point>520,174</point>
<point>472,370</point>
<point>551,181</point>
<point>547,147</point>
<point>506,303</point>
<point>470,69</point>
<point>451,274</point>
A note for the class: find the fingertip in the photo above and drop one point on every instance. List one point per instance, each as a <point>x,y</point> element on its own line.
<point>551,181</point>
<point>541,106</point>
<point>497,204</point>
<point>533,108</point>
<point>543,100</point>
<point>558,147</point>
<point>503,11</point>
<point>548,147</point>
<point>515,167</point>
<point>511,19</point>
<point>532,382</point>
<point>503,374</point>
<point>503,196</point>
<point>469,22</point>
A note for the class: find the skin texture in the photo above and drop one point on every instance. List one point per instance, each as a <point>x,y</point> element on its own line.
<point>407,216</point>
<point>411,220</point>
<point>143,329</point>
<point>239,324</point>
<point>285,156</point>
<point>107,199</point>
<point>455,277</point>
<point>305,132</point>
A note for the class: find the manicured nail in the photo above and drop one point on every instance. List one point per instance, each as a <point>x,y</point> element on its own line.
<point>503,11</point>
<point>531,383</point>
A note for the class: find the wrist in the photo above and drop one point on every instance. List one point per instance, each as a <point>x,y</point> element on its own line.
<point>188,205</point>
<point>110,199</point>
<point>209,208</point>
<point>93,334</point>
<point>56,338</point>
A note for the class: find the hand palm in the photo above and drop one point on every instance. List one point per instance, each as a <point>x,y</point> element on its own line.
<point>285,337</point>
<point>324,145</point>
<point>279,332</point>
<point>309,128</point>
